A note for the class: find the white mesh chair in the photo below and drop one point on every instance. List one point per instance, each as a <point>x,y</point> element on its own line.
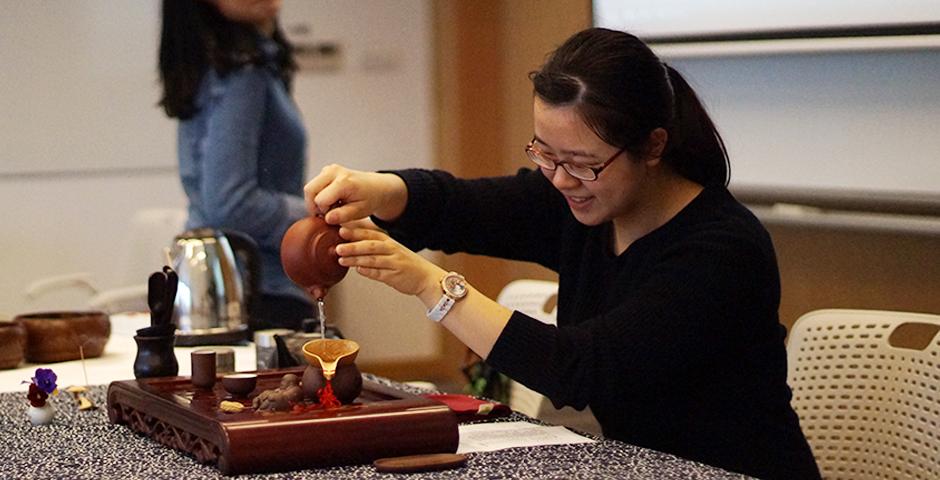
<point>869,409</point>
<point>150,231</point>
<point>534,298</point>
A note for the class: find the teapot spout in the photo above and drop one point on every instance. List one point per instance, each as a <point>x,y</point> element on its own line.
<point>318,292</point>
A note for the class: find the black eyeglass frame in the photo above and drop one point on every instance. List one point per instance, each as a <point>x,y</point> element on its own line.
<point>536,156</point>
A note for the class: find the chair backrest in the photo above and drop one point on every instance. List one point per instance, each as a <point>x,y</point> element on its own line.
<point>533,298</point>
<point>530,297</point>
<point>869,409</point>
<point>150,231</point>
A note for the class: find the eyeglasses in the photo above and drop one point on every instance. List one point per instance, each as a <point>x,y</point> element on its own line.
<point>581,172</point>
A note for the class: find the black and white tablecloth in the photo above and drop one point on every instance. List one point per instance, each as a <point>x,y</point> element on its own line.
<point>84,445</point>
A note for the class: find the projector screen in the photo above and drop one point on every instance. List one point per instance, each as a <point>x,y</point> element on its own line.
<point>675,19</point>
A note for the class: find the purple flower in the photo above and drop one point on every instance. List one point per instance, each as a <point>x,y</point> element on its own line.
<point>45,379</point>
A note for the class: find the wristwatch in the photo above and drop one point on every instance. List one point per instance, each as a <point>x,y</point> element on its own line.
<point>455,287</point>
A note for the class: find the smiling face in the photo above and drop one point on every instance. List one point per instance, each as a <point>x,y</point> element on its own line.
<point>619,189</point>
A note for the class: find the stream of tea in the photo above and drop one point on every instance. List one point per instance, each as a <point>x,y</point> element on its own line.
<point>327,397</point>
<point>321,316</point>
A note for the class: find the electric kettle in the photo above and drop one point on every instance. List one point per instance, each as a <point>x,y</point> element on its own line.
<point>219,274</point>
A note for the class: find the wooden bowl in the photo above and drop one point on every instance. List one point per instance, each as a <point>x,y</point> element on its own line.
<point>12,344</point>
<point>62,336</point>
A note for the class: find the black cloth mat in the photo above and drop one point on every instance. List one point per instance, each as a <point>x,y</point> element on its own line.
<point>84,445</point>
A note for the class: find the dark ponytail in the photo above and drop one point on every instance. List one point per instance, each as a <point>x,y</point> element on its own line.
<point>624,92</point>
<point>695,148</point>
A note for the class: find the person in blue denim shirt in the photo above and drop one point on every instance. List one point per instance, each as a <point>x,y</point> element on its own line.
<point>226,71</point>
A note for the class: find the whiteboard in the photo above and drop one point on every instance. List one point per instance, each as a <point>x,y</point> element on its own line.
<point>859,121</point>
<point>79,87</point>
<point>678,18</point>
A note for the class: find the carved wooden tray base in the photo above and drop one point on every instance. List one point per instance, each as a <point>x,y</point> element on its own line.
<point>382,422</point>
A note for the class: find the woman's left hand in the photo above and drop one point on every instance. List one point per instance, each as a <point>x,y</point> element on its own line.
<point>377,256</point>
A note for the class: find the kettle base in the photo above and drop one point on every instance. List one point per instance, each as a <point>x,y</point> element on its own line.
<point>192,339</point>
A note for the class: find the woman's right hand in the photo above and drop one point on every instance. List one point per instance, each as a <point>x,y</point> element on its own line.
<point>342,195</point>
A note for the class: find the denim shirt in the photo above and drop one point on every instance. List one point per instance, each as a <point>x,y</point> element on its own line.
<point>242,159</point>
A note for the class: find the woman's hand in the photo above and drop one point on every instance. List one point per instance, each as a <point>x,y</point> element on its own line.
<point>377,256</point>
<point>476,320</point>
<point>343,195</point>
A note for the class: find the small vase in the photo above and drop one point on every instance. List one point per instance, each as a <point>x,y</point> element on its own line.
<point>155,357</point>
<point>41,415</point>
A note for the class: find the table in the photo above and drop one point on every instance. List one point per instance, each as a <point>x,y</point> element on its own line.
<point>84,445</point>
<point>117,361</point>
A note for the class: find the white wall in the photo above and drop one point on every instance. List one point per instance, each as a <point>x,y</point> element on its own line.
<point>78,87</point>
<point>82,146</point>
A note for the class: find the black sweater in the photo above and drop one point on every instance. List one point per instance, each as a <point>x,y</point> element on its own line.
<point>675,344</point>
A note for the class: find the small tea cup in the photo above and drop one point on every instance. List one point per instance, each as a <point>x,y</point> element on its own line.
<point>240,384</point>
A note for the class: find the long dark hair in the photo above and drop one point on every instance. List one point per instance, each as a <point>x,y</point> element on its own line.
<point>623,92</point>
<point>196,36</point>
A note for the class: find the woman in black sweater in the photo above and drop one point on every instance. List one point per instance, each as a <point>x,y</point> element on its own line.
<point>668,287</point>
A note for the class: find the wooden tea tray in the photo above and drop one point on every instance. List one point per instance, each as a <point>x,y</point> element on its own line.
<point>382,422</point>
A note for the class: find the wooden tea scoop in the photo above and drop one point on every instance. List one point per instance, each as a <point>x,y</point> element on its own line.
<point>156,295</point>
<point>172,284</point>
<point>420,463</point>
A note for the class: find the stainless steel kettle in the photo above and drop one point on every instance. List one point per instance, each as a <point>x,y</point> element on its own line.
<point>219,272</point>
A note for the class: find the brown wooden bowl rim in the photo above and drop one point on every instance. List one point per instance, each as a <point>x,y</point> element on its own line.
<point>61,315</point>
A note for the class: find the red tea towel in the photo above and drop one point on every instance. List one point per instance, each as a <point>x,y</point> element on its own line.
<point>471,408</point>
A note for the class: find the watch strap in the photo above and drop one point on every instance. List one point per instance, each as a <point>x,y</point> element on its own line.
<point>443,306</point>
<point>453,287</point>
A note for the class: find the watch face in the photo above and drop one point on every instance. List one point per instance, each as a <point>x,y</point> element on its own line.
<point>454,285</point>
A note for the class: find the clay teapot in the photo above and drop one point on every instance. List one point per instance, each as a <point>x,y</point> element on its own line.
<point>308,254</point>
<point>332,360</point>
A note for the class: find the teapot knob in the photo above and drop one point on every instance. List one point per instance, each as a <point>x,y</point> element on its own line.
<point>308,254</point>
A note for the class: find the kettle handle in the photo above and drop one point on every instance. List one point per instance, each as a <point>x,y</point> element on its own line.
<point>246,252</point>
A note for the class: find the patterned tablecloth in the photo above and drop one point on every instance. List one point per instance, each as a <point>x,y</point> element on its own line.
<point>84,445</point>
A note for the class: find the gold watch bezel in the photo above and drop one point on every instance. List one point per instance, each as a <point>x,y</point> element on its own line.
<point>454,285</point>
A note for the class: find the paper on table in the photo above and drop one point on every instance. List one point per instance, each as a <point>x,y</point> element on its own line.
<point>486,437</point>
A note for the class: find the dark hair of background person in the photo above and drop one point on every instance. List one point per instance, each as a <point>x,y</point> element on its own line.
<point>623,92</point>
<point>196,36</point>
